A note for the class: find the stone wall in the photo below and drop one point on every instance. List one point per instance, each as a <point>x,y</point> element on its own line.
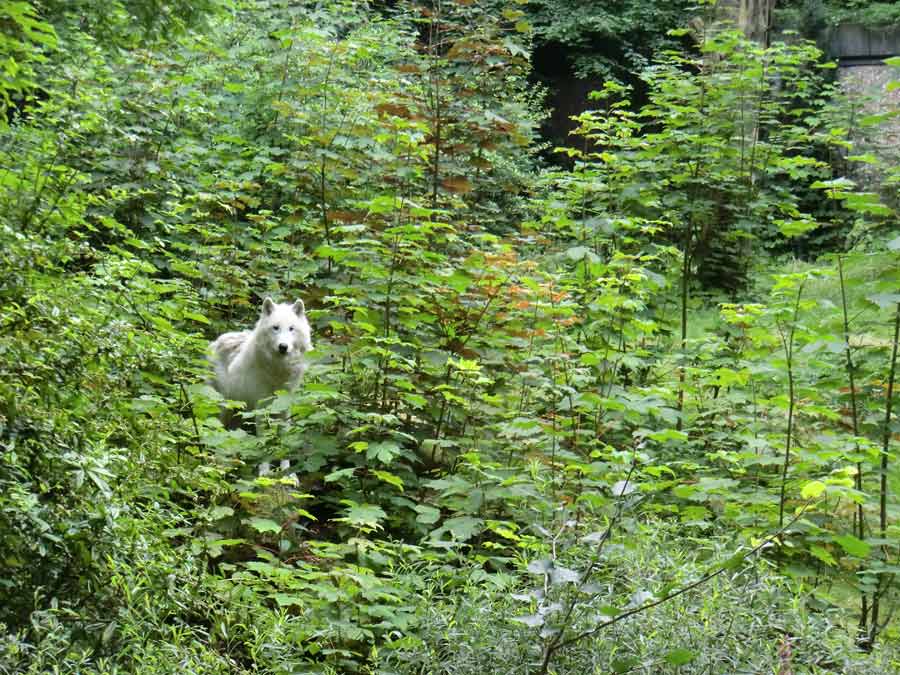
<point>860,53</point>
<point>868,85</point>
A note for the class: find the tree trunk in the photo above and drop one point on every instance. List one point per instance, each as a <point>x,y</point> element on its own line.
<point>753,17</point>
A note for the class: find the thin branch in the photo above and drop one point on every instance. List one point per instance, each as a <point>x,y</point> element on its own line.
<point>886,444</point>
<point>729,564</point>
<point>190,407</point>
<point>555,643</point>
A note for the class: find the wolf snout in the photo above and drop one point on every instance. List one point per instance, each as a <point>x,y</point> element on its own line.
<point>283,348</point>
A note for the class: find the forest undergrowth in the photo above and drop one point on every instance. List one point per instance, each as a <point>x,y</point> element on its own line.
<point>635,412</point>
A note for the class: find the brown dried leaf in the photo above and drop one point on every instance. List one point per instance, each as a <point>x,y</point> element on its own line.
<point>457,184</point>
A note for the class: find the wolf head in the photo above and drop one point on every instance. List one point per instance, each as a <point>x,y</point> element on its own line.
<point>284,328</point>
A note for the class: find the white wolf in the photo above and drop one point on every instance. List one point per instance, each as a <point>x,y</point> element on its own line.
<point>252,365</point>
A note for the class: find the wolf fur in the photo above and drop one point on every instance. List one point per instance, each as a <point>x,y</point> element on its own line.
<point>251,365</point>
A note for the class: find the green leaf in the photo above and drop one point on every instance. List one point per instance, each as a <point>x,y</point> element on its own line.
<point>286,600</point>
<point>389,478</point>
<point>795,226</point>
<point>590,359</point>
<point>838,184</point>
<point>460,528</point>
<point>866,158</point>
<point>428,515</point>
<point>463,528</point>
<point>709,483</point>
<point>822,554</point>
<point>303,512</point>
<point>577,253</point>
<point>689,492</point>
<point>263,525</point>
<point>384,452</point>
<point>853,546</point>
<point>813,489</point>
<point>625,665</point>
<point>866,202</point>
<point>734,561</point>
<point>679,657</point>
<point>368,516</point>
<point>340,474</point>
<point>219,512</point>
<point>665,435</point>
<point>383,204</point>
<point>199,318</point>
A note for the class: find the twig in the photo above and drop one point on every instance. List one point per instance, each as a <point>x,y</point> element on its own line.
<point>190,406</point>
<point>729,564</point>
<point>554,644</point>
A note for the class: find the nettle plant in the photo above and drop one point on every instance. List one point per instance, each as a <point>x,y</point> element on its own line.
<point>818,364</point>
<point>351,198</point>
<point>720,156</point>
<point>296,156</point>
<point>828,339</point>
<point>716,165</point>
<point>472,375</point>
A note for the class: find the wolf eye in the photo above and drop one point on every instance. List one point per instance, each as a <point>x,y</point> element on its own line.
<point>275,328</point>
<point>291,329</point>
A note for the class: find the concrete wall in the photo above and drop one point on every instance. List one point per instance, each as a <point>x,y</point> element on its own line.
<point>854,41</point>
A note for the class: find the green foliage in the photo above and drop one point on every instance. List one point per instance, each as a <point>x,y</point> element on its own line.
<point>810,17</point>
<point>499,402</point>
<point>129,22</point>
<point>474,622</point>
<point>608,40</point>
<point>24,43</point>
<point>722,157</point>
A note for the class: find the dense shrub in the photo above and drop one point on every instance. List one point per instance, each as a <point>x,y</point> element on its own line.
<point>500,400</point>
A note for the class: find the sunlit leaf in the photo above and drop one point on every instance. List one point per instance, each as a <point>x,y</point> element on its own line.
<point>362,515</point>
<point>679,657</point>
<point>812,490</point>
<point>852,545</point>
<point>822,554</point>
<point>263,525</point>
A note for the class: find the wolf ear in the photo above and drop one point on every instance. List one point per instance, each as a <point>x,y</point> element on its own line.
<point>299,308</point>
<point>268,306</point>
